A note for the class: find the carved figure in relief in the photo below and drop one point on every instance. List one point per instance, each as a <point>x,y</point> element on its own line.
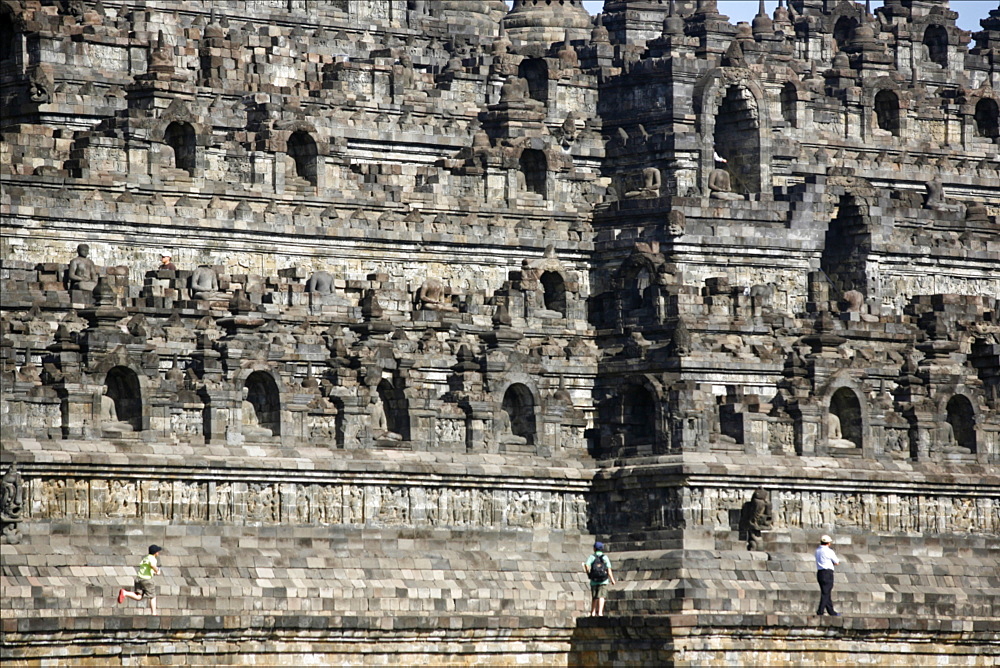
<point>486,508</point>
<point>461,507</point>
<point>52,499</point>
<point>676,222</point>
<point>82,272</point>
<point>755,518</point>
<point>121,499</point>
<point>81,498</point>
<point>504,62</point>
<point>355,505</point>
<point>156,499</point>
<point>188,501</point>
<point>11,493</point>
<point>403,72</point>
<point>38,92</point>
<point>835,436</point>
<point>963,515</point>
<point>224,502</point>
<point>303,504</point>
<point>328,511</point>
<point>258,500</point>
<point>394,508</point>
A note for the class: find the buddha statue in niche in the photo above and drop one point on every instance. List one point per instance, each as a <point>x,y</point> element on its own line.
<point>834,434</point>
<point>720,185</point>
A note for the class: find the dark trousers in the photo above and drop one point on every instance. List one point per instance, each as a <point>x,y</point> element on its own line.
<point>824,577</point>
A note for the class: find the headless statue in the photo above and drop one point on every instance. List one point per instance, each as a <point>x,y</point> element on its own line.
<point>720,185</point>
<point>515,89</point>
<point>82,272</point>
<point>205,283</point>
<point>380,423</point>
<point>109,415</point>
<point>321,283</point>
<point>935,199</point>
<point>651,183</point>
<point>651,180</point>
<point>950,442</point>
<point>251,425</point>
<point>505,430</point>
<point>835,437</point>
<point>432,296</point>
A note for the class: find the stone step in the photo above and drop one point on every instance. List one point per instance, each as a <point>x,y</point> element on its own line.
<point>69,569</point>
<point>878,575</point>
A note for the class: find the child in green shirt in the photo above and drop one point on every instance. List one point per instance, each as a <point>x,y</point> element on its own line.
<point>144,586</point>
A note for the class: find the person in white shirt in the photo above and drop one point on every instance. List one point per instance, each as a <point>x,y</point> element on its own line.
<point>826,559</point>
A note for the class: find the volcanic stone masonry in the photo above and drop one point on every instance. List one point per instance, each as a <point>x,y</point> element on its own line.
<point>451,290</point>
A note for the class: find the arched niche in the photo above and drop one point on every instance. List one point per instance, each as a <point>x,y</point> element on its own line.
<point>637,411</point>
<point>262,393</point>
<point>303,152</point>
<point>987,118</point>
<point>635,293</point>
<point>847,236</point>
<point>789,98</point>
<point>747,148</point>
<point>180,137</point>
<point>629,419</point>
<point>935,43</point>
<point>8,37</point>
<point>635,286</point>
<point>124,391</point>
<point>961,416</point>
<point>554,291</point>
<point>886,111</point>
<point>843,31</point>
<point>737,138</point>
<point>534,169</point>
<point>845,406</point>
<point>396,407</point>
<point>519,405</point>
<point>536,72</point>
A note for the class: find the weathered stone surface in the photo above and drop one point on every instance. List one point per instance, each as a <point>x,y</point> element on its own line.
<point>454,292</point>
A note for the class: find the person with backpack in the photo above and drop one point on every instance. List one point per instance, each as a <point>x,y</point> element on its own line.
<point>598,569</point>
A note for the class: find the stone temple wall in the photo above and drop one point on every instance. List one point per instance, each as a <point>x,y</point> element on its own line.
<point>457,289</point>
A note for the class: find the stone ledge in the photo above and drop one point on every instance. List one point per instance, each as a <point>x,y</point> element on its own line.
<point>688,624</point>
<point>339,626</point>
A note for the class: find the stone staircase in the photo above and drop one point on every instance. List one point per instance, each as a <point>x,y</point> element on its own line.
<point>74,570</point>
<point>879,576</point>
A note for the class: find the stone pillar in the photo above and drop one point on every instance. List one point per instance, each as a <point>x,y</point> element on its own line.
<point>80,417</point>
